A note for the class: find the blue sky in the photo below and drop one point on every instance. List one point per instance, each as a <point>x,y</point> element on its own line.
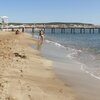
<point>87,11</point>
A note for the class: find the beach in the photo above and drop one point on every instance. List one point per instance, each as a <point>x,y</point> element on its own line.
<point>85,85</point>
<point>25,75</point>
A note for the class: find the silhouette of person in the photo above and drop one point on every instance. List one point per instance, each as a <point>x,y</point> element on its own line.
<point>40,39</point>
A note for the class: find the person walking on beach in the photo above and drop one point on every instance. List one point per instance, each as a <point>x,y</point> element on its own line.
<point>40,39</point>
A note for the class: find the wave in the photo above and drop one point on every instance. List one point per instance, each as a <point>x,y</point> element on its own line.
<point>73,53</point>
<point>83,68</point>
<point>56,44</point>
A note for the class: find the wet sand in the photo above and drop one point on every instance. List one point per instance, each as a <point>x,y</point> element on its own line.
<point>86,86</point>
<point>25,75</point>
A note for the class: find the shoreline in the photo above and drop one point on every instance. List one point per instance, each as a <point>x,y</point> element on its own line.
<point>86,86</point>
<point>25,75</point>
<point>68,70</point>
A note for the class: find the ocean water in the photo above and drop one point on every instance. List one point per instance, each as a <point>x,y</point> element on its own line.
<point>80,47</point>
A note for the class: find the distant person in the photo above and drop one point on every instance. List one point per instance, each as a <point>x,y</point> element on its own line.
<point>17,32</point>
<point>40,39</point>
<point>23,29</point>
<point>12,29</point>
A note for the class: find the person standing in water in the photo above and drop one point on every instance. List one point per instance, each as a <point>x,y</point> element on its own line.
<point>40,39</point>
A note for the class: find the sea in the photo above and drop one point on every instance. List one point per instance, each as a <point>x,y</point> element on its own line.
<point>84,48</point>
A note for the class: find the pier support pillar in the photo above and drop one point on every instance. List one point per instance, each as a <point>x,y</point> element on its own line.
<point>90,30</point>
<point>81,30</point>
<point>52,30</point>
<point>84,30</point>
<point>93,30</point>
<point>62,30</point>
<point>33,30</point>
<point>73,30</point>
<point>98,30</point>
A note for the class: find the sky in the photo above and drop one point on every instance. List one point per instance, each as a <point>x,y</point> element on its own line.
<point>38,11</point>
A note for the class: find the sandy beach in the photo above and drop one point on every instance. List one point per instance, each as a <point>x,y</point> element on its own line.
<point>24,74</point>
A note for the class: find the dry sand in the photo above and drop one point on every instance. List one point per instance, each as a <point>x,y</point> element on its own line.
<point>24,75</point>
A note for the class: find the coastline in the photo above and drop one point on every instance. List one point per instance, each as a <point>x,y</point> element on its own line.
<point>24,74</point>
<point>70,71</point>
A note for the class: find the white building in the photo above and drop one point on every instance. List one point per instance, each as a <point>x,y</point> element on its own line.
<point>4,22</point>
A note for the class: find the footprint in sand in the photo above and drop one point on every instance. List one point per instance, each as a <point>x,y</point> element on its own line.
<point>21,75</point>
<point>9,98</point>
<point>30,97</point>
<point>28,88</point>
<point>21,71</point>
<point>61,90</point>
<point>3,88</point>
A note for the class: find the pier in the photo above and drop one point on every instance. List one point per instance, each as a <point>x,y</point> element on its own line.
<point>62,28</point>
